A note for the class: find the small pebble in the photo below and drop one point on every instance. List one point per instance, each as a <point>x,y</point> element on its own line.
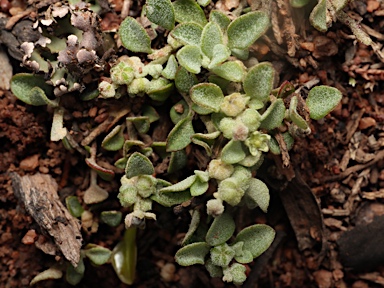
<point>367,122</point>
<point>168,272</point>
<point>372,5</point>
<point>29,238</point>
<point>323,278</point>
<point>30,163</point>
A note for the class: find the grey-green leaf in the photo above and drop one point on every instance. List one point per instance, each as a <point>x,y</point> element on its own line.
<point>188,33</point>
<point>180,186</point>
<point>232,70</point>
<point>258,82</point>
<point>189,11</point>
<point>161,12</point>
<point>221,230</point>
<point>180,135</point>
<point>258,194</point>
<point>184,80</point>
<point>233,152</point>
<point>31,89</point>
<point>298,3</point>
<point>322,100</point>
<point>192,254</point>
<point>138,164</point>
<point>207,95</point>
<point>318,16</point>
<point>273,116</point>
<point>171,199</point>
<point>220,18</point>
<point>190,58</point>
<point>114,140</point>
<point>257,238</point>
<point>246,29</point>
<point>210,37</point>
<point>97,254</point>
<point>134,37</point>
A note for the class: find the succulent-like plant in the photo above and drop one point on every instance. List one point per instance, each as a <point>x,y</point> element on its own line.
<point>218,105</point>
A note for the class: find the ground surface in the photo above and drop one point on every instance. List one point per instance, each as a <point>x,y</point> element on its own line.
<point>338,188</point>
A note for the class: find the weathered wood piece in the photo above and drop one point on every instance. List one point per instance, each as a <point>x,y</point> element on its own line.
<point>39,195</point>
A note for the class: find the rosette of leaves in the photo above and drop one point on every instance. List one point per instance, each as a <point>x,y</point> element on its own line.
<point>223,259</point>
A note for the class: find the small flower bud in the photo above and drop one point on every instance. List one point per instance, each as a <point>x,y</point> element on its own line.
<point>219,170</point>
<point>234,104</point>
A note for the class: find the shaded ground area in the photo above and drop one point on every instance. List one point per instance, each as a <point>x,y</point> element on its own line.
<point>328,218</point>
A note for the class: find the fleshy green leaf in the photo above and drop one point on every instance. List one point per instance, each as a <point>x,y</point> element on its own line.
<point>184,80</point>
<point>171,199</point>
<point>220,18</point>
<point>203,3</point>
<point>161,12</point>
<point>221,230</point>
<point>180,135</point>
<point>210,37</point>
<point>180,186</point>
<point>151,113</point>
<point>246,29</point>
<point>161,93</point>
<point>241,54</point>
<point>199,188</point>
<point>258,194</point>
<point>114,140</point>
<point>207,95</point>
<point>188,33</point>
<point>97,254</point>
<point>192,254</point>
<point>233,152</point>
<point>169,71</point>
<point>195,221</point>
<point>257,238</point>
<point>235,273</point>
<point>74,275</point>
<point>258,82</point>
<point>190,58</point>
<point>51,273</point>
<point>221,54</point>
<point>273,116</point>
<point>31,89</point>
<point>318,17</point>
<point>137,165</point>
<point>189,11</point>
<point>111,218</point>
<point>124,257</point>
<point>232,70</point>
<point>322,100</point>
<point>134,37</point>
<point>73,205</point>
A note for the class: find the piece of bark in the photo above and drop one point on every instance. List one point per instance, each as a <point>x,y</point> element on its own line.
<point>362,248</point>
<point>39,195</point>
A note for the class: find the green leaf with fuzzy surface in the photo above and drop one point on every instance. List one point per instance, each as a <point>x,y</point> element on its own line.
<point>322,100</point>
<point>180,186</point>
<point>273,116</point>
<point>220,18</point>
<point>233,152</point>
<point>184,80</point>
<point>210,37</point>
<point>161,12</point>
<point>180,135</point>
<point>318,16</point>
<point>257,238</point>
<point>188,33</point>
<point>192,254</point>
<point>171,199</point>
<point>190,58</point>
<point>134,37</point>
<point>246,29</point>
<point>258,82</point>
<point>221,230</point>
<point>189,11</point>
<point>221,54</point>
<point>232,70</point>
<point>257,194</point>
<point>31,89</point>
<point>298,3</point>
<point>97,254</point>
<point>138,164</point>
<point>207,95</point>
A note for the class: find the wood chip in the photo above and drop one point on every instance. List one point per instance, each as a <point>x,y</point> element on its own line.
<point>39,195</point>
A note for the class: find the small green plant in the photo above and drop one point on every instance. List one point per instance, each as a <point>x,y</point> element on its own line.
<point>231,112</point>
